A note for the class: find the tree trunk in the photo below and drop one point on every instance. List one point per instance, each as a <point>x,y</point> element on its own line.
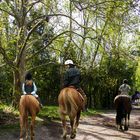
<point>18,79</point>
<point>16,87</point>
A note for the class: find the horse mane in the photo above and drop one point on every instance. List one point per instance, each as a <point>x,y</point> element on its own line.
<point>70,101</point>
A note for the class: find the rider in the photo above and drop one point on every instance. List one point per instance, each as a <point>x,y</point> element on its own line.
<point>124,88</point>
<point>72,78</point>
<point>29,87</point>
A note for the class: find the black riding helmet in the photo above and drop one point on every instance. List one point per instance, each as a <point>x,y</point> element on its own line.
<point>28,76</point>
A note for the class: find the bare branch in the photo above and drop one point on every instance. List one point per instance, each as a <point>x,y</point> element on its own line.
<point>32,4</point>
<point>54,38</point>
<point>82,26</point>
<point>27,38</point>
<point>47,44</point>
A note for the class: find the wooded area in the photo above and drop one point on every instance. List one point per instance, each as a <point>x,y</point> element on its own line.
<point>102,37</point>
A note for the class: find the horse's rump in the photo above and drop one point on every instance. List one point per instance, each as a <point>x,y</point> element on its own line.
<point>123,102</point>
<point>70,101</point>
<point>123,109</point>
<point>28,103</point>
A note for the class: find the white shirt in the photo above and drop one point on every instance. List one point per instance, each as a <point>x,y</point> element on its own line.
<point>124,89</point>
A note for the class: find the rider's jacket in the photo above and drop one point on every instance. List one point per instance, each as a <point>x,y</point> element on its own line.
<point>72,77</point>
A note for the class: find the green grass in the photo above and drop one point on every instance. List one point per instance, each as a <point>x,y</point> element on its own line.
<point>91,112</point>
<point>50,112</point>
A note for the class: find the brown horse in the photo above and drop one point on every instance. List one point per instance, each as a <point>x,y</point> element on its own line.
<point>28,106</point>
<point>123,110</point>
<point>70,103</point>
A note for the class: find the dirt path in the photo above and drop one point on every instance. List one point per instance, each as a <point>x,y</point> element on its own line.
<point>99,127</point>
<point>103,128</point>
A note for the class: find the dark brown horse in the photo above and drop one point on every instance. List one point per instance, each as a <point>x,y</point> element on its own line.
<point>28,106</point>
<point>70,103</point>
<point>123,110</point>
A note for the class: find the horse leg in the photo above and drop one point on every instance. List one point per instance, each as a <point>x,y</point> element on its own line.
<point>120,124</point>
<point>118,121</point>
<point>128,118</point>
<point>74,124</point>
<point>26,125</point>
<point>73,129</point>
<point>126,123</point>
<point>77,119</point>
<point>121,128</point>
<point>63,119</point>
<point>32,127</point>
<point>21,127</point>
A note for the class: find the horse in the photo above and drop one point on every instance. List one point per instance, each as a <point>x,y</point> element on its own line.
<point>70,104</point>
<point>28,106</point>
<point>123,110</point>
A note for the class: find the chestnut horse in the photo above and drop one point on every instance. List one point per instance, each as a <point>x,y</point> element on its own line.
<point>123,110</point>
<point>28,106</point>
<point>70,103</point>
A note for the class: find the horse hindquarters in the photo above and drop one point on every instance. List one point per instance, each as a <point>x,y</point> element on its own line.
<point>70,103</point>
<point>123,108</point>
<point>28,105</point>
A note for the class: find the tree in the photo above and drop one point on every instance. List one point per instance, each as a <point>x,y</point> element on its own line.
<point>17,27</point>
<point>35,34</point>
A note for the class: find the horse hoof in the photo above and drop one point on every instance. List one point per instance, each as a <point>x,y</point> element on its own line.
<point>126,128</point>
<point>73,136</point>
<point>64,137</point>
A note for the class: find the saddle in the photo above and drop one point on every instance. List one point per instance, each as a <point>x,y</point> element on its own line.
<point>80,94</point>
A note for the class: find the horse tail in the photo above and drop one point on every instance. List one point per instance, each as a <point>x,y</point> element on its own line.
<point>72,109</point>
<point>23,109</point>
<point>120,108</point>
<point>68,104</point>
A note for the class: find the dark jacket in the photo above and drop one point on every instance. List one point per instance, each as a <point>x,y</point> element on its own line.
<point>29,88</point>
<point>72,77</point>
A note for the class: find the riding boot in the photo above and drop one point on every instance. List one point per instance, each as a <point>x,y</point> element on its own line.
<point>80,90</point>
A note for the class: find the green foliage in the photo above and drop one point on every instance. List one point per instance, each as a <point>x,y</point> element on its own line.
<point>137,77</point>
<point>50,112</point>
<point>95,39</point>
<point>5,84</point>
<point>47,79</point>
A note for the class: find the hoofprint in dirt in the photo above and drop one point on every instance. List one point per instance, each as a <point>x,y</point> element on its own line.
<point>97,127</point>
